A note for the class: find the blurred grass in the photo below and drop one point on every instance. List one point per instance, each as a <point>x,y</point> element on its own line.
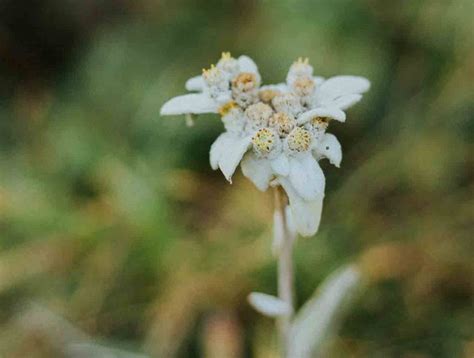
<point>111,217</point>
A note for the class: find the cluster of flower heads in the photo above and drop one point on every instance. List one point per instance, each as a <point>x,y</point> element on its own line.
<point>276,132</point>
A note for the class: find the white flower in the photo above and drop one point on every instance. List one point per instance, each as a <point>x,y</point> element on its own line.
<point>276,132</point>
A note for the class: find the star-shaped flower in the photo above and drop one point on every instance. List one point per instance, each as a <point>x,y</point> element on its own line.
<point>276,132</point>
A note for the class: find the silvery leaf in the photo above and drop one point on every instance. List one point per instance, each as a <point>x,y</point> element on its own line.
<point>319,319</point>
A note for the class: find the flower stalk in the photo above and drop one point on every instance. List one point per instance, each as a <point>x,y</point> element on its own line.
<point>285,268</point>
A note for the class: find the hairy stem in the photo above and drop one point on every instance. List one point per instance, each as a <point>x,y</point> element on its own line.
<point>285,267</point>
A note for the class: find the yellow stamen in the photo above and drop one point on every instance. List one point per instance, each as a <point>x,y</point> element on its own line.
<point>226,56</point>
<point>264,141</point>
<point>320,121</point>
<point>299,140</point>
<point>226,108</point>
<point>302,61</point>
<point>205,72</point>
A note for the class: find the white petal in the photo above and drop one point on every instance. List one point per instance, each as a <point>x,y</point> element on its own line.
<point>325,111</point>
<point>190,103</point>
<point>330,148</point>
<point>346,101</point>
<point>290,222</point>
<point>307,177</point>
<point>232,155</point>
<point>257,170</point>
<point>217,149</point>
<point>195,83</point>
<point>224,98</point>
<point>268,305</point>
<point>306,215</point>
<point>246,64</point>
<point>281,165</point>
<point>342,85</point>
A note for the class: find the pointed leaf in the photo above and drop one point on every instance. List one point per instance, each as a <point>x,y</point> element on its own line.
<point>319,319</point>
<point>268,305</point>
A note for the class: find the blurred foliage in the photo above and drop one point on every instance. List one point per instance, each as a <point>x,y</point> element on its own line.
<point>114,230</point>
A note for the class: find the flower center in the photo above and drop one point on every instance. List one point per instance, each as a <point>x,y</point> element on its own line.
<point>287,103</point>
<point>299,140</point>
<point>264,141</point>
<point>245,82</point>
<point>303,86</point>
<point>282,122</point>
<point>259,114</point>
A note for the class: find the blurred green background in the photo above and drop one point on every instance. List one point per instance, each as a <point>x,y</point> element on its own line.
<point>115,231</point>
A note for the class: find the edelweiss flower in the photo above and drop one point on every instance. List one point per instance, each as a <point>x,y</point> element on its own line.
<point>277,132</point>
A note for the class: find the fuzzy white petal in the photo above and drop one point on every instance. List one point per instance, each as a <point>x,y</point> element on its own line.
<point>190,103</point>
<point>290,222</point>
<point>281,165</point>
<point>195,83</point>
<point>268,305</point>
<point>306,215</point>
<point>325,111</point>
<point>217,149</point>
<point>257,170</point>
<point>246,64</point>
<point>306,176</point>
<point>346,101</point>
<point>342,85</point>
<point>232,155</point>
<point>330,148</point>
<point>223,98</point>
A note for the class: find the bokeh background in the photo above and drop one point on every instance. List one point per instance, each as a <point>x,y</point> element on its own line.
<point>115,232</point>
